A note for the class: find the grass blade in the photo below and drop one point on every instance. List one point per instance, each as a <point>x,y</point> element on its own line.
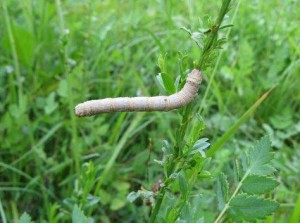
<point>295,217</point>
<point>129,133</point>
<point>230,132</point>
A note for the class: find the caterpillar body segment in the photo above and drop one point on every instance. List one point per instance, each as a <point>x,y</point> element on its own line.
<point>156,103</point>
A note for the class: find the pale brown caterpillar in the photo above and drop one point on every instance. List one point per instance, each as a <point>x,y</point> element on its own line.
<point>156,103</point>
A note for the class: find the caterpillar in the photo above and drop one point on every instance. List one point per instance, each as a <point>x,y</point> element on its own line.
<point>156,103</point>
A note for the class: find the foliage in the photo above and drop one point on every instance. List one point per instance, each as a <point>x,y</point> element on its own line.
<point>55,54</point>
<point>244,203</point>
<point>78,216</point>
<point>25,218</point>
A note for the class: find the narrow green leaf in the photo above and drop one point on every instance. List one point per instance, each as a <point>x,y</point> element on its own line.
<point>222,191</point>
<point>251,207</point>
<point>161,62</point>
<point>226,26</point>
<point>236,171</point>
<point>132,196</point>
<point>200,146</point>
<point>198,127</point>
<point>230,132</point>
<point>78,216</point>
<point>130,131</point>
<point>168,83</point>
<point>255,184</point>
<point>182,184</point>
<point>295,216</point>
<point>172,214</point>
<point>186,30</point>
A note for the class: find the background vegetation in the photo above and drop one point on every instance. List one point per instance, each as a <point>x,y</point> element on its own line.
<point>56,55</point>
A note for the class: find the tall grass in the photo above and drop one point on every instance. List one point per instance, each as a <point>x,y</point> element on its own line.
<point>57,53</point>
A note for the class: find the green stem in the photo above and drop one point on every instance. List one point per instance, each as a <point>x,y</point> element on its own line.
<point>67,69</point>
<point>233,195</point>
<point>187,195</point>
<point>157,205</point>
<point>129,133</point>
<point>18,81</point>
<point>218,61</point>
<point>15,57</point>
<point>2,213</point>
<point>213,34</point>
<point>161,194</point>
<point>185,121</point>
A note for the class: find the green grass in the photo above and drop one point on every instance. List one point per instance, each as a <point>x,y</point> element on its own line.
<point>55,54</point>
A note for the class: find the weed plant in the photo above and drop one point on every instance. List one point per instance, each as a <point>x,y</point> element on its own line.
<point>230,156</point>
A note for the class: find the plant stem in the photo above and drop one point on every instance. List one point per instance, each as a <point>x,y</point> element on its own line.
<point>232,196</point>
<point>161,194</point>
<point>2,213</point>
<point>214,34</point>
<point>185,120</point>
<point>129,133</point>
<point>74,147</point>
<point>157,205</point>
<point>217,61</point>
<point>18,80</point>
<point>186,197</point>
<point>15,58</point>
